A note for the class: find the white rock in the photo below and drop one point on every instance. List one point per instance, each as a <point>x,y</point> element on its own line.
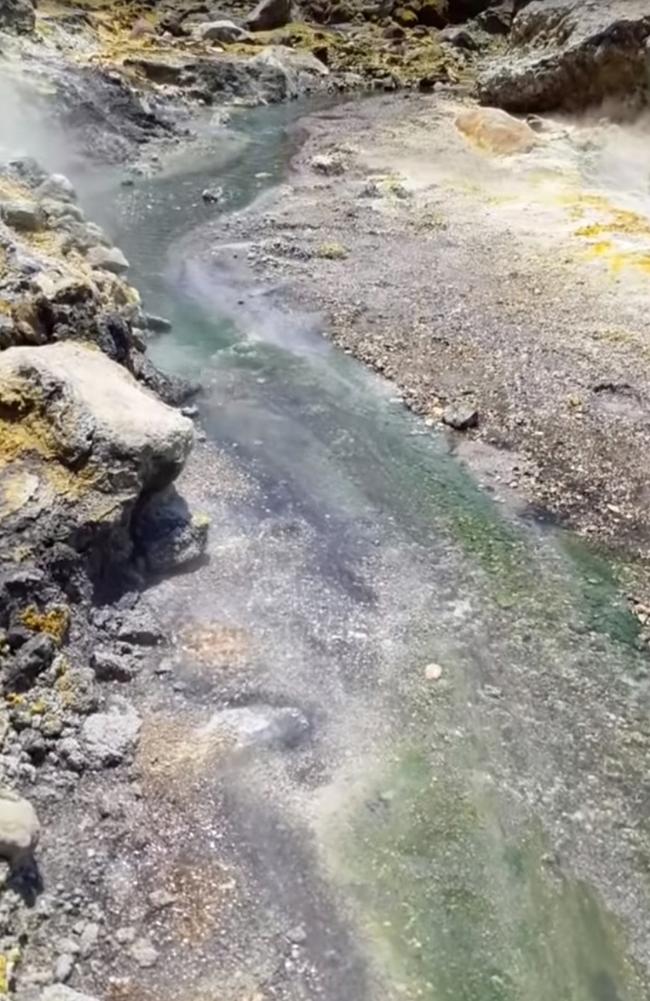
<point>108,259</point>
<point>19,828</point>
<point>108,737</point>
<point>433,672</point>
<point>222,31</point>
<point>59,992</point>
<point>143,952</point>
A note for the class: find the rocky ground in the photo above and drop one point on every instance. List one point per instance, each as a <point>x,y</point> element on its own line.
<point>524,335</point>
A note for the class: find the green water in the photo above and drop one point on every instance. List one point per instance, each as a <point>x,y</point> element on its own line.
<point>442,844</point>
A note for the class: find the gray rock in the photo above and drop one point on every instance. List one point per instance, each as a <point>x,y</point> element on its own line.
<point>108,259</point>
<point>143,953</point>
<point>571,54</point>
<point>461,418</point>
<point>167,534</point>
<point>110,666</point>
<point>17,15</point>
<point>269,14</point>
<point>26,217</point>
<point>222,31</point>
<point>125,935</point>
<point>254,726</point>
<point>140,627</point>
<point>108,737</point>
<point>88,939</point>
<point>19,828</point>
<point>212,195</point>
<point>58,992</point>
<point>104,458</point>
<point>63,967</point>
<point>330,164</point>
<point>57,187</point>
<point>70,753</point>
<point>157,324</point>
<point>160,899</point>
<point>34,656</point>
<point>55,209</point>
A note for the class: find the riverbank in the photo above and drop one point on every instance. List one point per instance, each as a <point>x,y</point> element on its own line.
<point>500,292</point>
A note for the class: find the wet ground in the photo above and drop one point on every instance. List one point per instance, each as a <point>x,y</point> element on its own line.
<point>460,813</point>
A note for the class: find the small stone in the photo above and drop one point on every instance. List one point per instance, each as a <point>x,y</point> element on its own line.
<point>88,939</point>
<point>63,967</point>
<point>109,666</point>
<point>125,935</point>
<point>161,898</point>
<point>157,324</point>
<point>71,754</point>
<point>190,411</point>
<point>108,259</point>
<point>212,196</point>
<point>297,935</point>
<point>143,952</point>
<point>461,418</point>
<point>433,672</point>
<point>329,164</point>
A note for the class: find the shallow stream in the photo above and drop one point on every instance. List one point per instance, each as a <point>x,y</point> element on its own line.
<point>462,833</point>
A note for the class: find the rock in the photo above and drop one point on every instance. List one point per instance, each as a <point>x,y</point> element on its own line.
<point>58,188</point>
<point>212,195</point>
<point>462,38</point>
<point>222,31</point>
<point>269,14</point>
<point>190,411</point>
<point>254,726</point>
<point>494,130</point>
<point>26,217</point>
<point>167,534</point>
<point>157,324</point>
<point>139,626</point>
<point>108,259</point>
<point>160,899</point>
<point>330,164</point>
<point>58,992</point>
<point>57,210</point>
<point>108,737</point>
<point>71,755</point>
<point>144,953</point>
<point>297,935</point>
<point>572,54</point>
<point>110,666</point>
<point>77,461</point>
<point>433,672</point>
<point>461,418</point>
<point>88,939</point>
<point>34,656</point>
<point>63,967</point>
<point>19,828</point>
<point>17,15</point>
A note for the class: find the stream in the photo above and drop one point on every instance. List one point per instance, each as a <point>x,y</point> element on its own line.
<point>459,820</point>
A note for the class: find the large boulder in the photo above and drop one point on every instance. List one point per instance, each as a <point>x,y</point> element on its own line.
<point>17,15</point>
<point>496,131</point>
<point>572,54</point>
<point>269,14</point>
<point>81,442</point>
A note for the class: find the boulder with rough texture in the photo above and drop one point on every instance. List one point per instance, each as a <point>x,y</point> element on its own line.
<point>167,534</point>
<point>496,131</point>
<point>222,31</point>
<point>17,15</point>
<point>23,216</point>
<point>269,14</point>
<point>108,259</point>
<point>19,828</point>
<point>58,187</point>
<point>572,54</point>
<point>107,738</point>
<point>80,442</point>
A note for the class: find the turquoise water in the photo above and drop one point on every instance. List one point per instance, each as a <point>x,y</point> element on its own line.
<point>441,841</point>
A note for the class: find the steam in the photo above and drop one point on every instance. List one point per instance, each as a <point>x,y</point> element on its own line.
<point>28,126</point>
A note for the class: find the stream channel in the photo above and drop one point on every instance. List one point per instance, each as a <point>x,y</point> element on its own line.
<point>476,836</point>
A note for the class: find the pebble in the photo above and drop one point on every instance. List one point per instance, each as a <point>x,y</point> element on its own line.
<point>433,672</point>
<point>64,967</point>
<point>144,953</point>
